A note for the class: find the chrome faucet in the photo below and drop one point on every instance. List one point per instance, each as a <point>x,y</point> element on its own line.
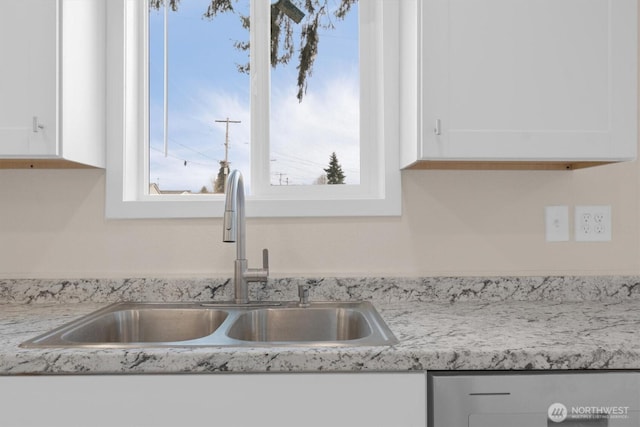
<point>234,231</point>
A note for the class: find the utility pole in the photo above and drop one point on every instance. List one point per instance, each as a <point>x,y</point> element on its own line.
<point>280,175</point>
<point>225,163</point>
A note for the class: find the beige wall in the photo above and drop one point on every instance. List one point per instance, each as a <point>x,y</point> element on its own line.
<point>454,223</point>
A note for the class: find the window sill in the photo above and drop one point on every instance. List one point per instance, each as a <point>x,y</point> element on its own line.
<point>199,206</point>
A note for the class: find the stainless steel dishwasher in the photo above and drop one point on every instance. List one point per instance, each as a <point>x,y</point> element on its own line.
<point>534,399</point>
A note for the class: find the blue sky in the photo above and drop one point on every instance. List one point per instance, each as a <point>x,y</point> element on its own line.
<point>205,86</point>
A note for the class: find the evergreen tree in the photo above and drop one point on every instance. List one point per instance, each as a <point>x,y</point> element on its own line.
<point>335,175</point>
<point>315,16</point>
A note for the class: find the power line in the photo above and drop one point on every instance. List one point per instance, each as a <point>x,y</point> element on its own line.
<point>192,149</point>
<point>186,161</point>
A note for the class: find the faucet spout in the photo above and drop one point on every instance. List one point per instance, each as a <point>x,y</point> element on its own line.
<point>234,231</point>
<point>234,217</point>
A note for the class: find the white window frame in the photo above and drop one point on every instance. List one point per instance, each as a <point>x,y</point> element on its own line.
<point>379,193</point>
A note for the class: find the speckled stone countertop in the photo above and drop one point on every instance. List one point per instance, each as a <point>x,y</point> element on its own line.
<point>442,324</point>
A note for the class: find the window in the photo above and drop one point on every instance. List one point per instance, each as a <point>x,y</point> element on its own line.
<point>375,192</point>
<point>195,86</point>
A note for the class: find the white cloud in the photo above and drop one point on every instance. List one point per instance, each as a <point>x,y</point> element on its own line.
<point>303,136</point>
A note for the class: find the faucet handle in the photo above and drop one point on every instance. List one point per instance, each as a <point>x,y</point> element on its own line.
<point>303,294</point>
<point>265,260</point>
<point>257,274</point>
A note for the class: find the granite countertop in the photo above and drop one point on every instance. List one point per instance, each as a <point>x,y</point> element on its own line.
<point>441,323</point>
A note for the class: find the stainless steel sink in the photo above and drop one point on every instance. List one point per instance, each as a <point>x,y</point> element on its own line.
<point>148,324</point>
<point>130,325</point>
<point>300,324</point>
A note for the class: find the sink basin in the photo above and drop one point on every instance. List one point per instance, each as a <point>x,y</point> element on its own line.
<point>148,325</point>
<point>300,324</point>
<point>134,324</point>
<point>131,325</point>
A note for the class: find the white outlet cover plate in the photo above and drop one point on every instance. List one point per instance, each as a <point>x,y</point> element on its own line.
<point>593,223</point>
<point>556,220</point>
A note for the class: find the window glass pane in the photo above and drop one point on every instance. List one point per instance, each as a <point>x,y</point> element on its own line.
<point>306,132</point>
<point>205,88</point>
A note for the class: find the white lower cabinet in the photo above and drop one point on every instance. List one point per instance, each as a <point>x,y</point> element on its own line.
<point>229,400</point>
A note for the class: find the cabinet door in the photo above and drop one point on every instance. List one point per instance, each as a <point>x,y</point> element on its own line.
<point>28,77</point>
<point>529,79</point>
<point>230,400</point>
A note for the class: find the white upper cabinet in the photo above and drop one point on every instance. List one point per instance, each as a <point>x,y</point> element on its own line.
<point>27,78</point>
<point>520,83</point>
<point>52,91</point>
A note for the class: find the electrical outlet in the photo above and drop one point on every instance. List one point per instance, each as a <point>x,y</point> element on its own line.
<point>593,223</point>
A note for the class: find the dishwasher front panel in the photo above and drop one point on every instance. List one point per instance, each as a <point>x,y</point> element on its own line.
<point>534,399</point>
